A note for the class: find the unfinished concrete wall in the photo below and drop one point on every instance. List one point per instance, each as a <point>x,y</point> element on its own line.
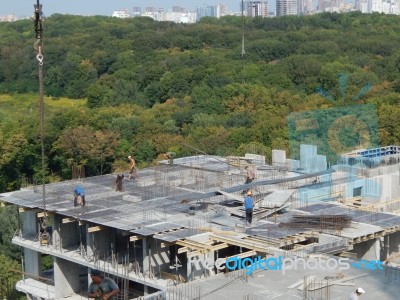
<point>101,241</point>
<point>32,258</point>
<point>159,256</point>
<point>394,243</point>
<point>368,250</point>
<point>65,235</point>
<point>395,178</point>
<point>200,266</point>
<point>70,234</point>
<point>66,278</point>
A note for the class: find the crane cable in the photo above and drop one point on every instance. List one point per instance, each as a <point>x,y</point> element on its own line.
<point>243,51</point>
<point>38,22</point>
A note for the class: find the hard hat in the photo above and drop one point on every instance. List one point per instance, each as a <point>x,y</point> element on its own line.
<point>249,193</point>
<point>129,156</point>
<point>360,290</point>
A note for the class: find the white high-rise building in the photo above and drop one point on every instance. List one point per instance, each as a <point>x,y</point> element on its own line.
<point>286,7</point>
<point>121,14</point>
<point>221,10</point>
<point>257,8</point>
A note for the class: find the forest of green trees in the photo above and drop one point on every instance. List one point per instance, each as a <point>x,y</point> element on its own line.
<point>116,87</point>
<point>121,86</point>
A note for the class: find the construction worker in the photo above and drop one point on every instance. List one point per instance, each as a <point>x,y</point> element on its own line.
<point>249,206</point>
<point>357,294</point>
<point>102,288</point>
<point>170,156</point>
<point>133,168</point>
<point>79,196</point>
<point>119,181</point>
<point>249,175</point>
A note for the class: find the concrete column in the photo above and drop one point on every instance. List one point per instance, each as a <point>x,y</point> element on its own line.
<point>369,250</point>
<point>146,260</point>
<point>394,243</point>
<point>32,258</point>
<point>66,278</point>
<point>56,236</point>
<point>33,262</point>
<point>30,224</point>
<point>89,240</point>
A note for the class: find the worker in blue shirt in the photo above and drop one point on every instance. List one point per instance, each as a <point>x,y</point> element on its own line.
<point>249,205</point>
<point>79,196</point>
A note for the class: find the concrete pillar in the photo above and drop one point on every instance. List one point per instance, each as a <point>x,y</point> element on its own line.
<point>56,236</point>
<point>394,243</point>
<point>89,240</point>
<point>30,224</point>
<point>32,258</point>
<point>66,278</point>
<point>368,250</point>
<point>146,260</point>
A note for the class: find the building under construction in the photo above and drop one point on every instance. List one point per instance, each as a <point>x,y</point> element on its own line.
<point>159,237</point>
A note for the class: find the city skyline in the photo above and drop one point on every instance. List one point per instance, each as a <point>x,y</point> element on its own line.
<point>94,7</point>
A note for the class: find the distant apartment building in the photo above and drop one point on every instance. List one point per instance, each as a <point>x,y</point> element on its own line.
<point>8,18</point>
<point>380,6</point>
<point>180,17</point>
<point>150,9</point>
<point>221,10</point>
<point>205,11</point>
<point>121,14</point>
<point>257,8</point>
<point>178,9</point>
<point>286,7</point>
<point>137,11</point>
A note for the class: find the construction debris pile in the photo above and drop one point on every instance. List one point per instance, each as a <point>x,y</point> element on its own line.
<point>321,222</point>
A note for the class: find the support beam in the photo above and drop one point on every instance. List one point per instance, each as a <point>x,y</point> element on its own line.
<point>166,244</point>
<point>241,255</point>
<point>24,209</point>
<point>242,243</point>
<point>135,238</point>
<point>193,245</point>
<point>199,252</point>
<point>44,214</point>
<point>95,228</point>
<point>68,220</point>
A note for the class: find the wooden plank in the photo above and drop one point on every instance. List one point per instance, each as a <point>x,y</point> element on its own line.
<point>135,238</point>
<point>165,244</point>
<point>193,245</point>
<point>44,214</point>
<point>340,281</point>
<point>294,285</point>
<point>96,228</point>
<point>68,220</point>
<point>178,278</point>
<point>24,209</point>
<point>214,248</point>
<point>241,243</point>
<point>308,281</point>
<point>241,255</point>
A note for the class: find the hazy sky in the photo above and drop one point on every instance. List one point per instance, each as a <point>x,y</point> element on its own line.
<point>100,7</point>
